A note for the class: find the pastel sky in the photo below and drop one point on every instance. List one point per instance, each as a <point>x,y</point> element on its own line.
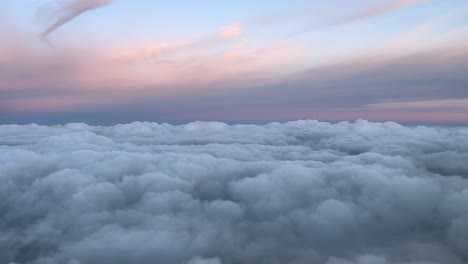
<point>117,61</point>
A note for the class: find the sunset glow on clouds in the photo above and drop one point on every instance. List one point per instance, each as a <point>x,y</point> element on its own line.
<point>227,132</point>
<point>380,60</point>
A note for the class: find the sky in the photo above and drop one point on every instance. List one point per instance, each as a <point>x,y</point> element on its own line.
<point>118,61</point>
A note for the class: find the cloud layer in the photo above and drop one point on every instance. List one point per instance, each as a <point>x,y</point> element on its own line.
<point>210,193</point>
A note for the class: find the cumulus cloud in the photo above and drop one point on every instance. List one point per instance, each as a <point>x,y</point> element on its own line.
<point>210,193</point>
<point>72,9</point>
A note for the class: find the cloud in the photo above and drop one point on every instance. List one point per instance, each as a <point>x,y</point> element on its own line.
<point>199,260</point>
<point>341,90</point>
<point>71,10</point>
<point>245,81</point>
<point>298,192</point>
<point>461,104</point>
<point>316,18</point>
<point>163,52</point>
<point>231,31</point>
<point>381,8</point>
<point>69,77</point>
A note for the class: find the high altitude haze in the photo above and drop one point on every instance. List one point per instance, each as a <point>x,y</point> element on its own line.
<point>104,61</point>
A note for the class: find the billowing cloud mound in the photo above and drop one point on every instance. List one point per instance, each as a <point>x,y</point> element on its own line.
<point>209,193</point>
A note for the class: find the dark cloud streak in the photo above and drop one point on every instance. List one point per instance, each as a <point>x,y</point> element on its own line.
<point>70,11</point>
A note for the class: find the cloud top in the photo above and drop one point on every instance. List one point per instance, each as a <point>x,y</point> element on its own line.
<point>210,193</point>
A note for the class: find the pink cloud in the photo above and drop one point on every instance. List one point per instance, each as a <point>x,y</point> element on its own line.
<point>191,67</point>
<point>384,7</point>
<point>162,70</point>
<point>231,31</point>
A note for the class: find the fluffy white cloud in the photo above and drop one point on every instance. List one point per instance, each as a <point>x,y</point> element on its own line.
<point>299,192</point>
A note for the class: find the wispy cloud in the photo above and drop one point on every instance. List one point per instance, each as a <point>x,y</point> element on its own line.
<point>377,10</point>
<point>231,31</point>
<point>461,104</point>
<point>314,18</point>
<point>162,52</point>
<point>71,10</point>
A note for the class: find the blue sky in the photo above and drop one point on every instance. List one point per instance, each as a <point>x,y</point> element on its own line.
<point>260,58</point>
